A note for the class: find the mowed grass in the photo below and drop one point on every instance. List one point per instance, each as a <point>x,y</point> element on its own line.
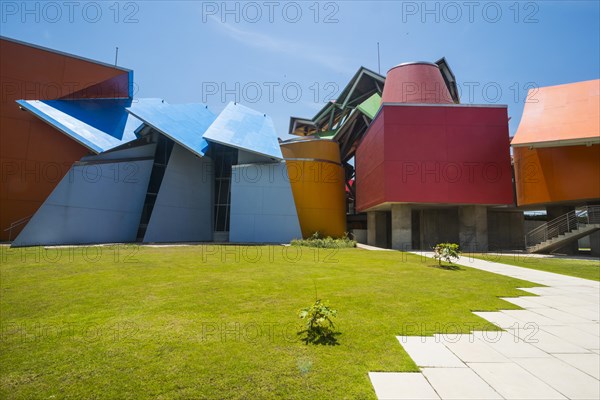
<point>587,269</point>
<point>220,322</point>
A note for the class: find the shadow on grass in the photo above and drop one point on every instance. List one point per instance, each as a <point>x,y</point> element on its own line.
<point>450,267</point>
<point>329,340</point>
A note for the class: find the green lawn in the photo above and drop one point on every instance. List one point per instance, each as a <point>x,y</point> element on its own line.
<point>587,269</point>
<point>221,322</point>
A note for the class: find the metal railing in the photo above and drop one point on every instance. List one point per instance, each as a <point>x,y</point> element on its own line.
<point>568,222</point>
<point>16,223</point>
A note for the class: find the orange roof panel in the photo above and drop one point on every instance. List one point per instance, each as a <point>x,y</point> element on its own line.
<point>561,115</point>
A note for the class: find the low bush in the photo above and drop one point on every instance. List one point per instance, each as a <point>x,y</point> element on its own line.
<point>316,240</point>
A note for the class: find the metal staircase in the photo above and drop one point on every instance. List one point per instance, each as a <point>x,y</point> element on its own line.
<point>564,229</point>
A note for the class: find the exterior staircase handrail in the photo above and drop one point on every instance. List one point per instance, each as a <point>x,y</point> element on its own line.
<point>16,223</point>
<point>563,224</point>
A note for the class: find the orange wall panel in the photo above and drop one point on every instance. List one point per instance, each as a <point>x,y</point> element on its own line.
<point>557,174</point>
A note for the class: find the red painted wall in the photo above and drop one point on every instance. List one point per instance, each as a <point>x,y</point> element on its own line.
<point>33,155</point>
<point>443,155</point>
<point>369,165</point>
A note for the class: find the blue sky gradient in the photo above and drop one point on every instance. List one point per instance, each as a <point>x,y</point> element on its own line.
<point>288,58</point>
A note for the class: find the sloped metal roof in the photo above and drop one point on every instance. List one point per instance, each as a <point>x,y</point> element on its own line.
<point>246,129</point>
<point>561,115</point>
<point>97,124</point>
<point>183,123</point>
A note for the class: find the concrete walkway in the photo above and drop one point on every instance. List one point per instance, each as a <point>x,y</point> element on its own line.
<point>549,350</point>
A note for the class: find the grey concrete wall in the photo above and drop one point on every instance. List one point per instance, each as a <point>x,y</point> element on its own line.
<point>402,227</point>
<point>377,229</point>
<point>360,235</point>
<point>506,230</point>
<point>183,211</point>
<point>438,226</point>
<point>262,205</point>
<point>595,244</point>
<point>96,202</point>
<point>529,225</point>
<point>473,228</point>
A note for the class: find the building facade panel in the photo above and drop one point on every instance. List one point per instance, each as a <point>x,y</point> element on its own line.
<point>183,211</point>
<point>369,165</point>
<point>557,174</point>
<point>460,156</point>
<point>94,203</point>
<point>262,205</point>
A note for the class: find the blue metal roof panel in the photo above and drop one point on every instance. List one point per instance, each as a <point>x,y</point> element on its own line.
<point>98,124</point>
<point>183,123</point>
<point>244,128</point>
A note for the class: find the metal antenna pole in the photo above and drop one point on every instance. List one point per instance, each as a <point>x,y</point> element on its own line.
<point>116,55</point>
<point>378,60</point>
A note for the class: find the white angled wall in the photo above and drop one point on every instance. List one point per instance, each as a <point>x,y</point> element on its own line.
<point>262,205</point>
<point>98,201</point>
<point>184,207</point>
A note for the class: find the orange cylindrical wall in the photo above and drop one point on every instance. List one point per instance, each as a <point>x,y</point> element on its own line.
<point>317,179</point>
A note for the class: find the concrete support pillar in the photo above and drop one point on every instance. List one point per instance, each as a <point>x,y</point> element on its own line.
<point>401,226</point>
<point>473,228</point>
<point>377,229</point>
<point>556,211</point>
<point>595,244</point>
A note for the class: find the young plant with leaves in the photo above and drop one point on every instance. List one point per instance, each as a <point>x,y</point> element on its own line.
<point>446,252</point>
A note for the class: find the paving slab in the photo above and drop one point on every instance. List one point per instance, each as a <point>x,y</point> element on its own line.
<point>588,363</point>
<point>500,319</point>
<point>565,378</point>
<point>591,313</point>
<point>573,335</point>
<point>470,349</point>
<point>524,302</point>
<point>547,342</point>
<point>560,317</point>
<point>593,328</point>
<point>514,382</point>
<point>534,317</point>
<point>401,386</point>
<point>459,384</point>
<point>428,351</point>
<point>509,345</point>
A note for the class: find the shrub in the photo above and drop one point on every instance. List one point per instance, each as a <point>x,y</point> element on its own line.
<point>319,328</point>
<point>446,252</point>
<point>316,240</point>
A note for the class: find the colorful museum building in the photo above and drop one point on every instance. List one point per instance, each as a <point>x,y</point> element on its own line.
<point>396,159</point>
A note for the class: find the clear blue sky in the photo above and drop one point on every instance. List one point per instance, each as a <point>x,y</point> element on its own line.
<point>287,58</point>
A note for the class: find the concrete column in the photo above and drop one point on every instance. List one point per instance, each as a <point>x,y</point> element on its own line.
<point>401,226</point>
<point>595,244</point>
<point>473,228</point>
<point>376,229</point>
<point>594,237</point>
